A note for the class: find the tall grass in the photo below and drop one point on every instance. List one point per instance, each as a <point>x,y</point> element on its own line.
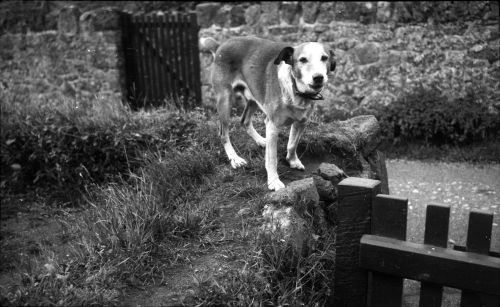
<point>132,232</point>
<point>273,274</point>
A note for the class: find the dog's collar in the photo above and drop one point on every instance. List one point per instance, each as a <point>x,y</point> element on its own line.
<point>311,96</point>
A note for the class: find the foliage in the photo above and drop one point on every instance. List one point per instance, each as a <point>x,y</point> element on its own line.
<point>131,233</point>
<point>430,116</point>
<point>67,149</point>
<point>274,274</point>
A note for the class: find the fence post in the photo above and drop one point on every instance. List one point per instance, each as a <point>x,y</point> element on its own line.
<point>353,220</point>
<point>437,220</point>
<point>389,216</point>
<point>478,241</point>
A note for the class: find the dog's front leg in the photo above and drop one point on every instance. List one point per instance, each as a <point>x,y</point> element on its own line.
<point>273,180</point>
<point>293,141</point>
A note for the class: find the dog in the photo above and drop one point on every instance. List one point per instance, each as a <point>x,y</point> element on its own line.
<point>281,80</point>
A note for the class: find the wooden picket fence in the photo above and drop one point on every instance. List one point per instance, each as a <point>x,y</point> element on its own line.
<point>161,58</point>
<point>373,256</point>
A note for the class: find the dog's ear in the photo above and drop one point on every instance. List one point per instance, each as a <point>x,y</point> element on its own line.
<point>286,55</point>
<point>333,63</point>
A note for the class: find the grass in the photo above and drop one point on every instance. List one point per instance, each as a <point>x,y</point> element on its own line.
<point>163,203</point>
<point>272,273</point>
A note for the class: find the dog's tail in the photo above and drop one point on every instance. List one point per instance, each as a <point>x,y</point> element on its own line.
<point>208,45</point>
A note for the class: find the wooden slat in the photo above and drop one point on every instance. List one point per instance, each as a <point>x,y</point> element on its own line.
<point>471,271</point>
<point>176,55</point>
<point>129,59</point>
<point>188,60</point>
<point>170,58</point>
<point>389,214</point>
<point>353,213</point>
<point>152,58</point>
<point>140,56</point>
<point>161,61</point>
<point>157,59</point>
<point>164,47</point>
<point>147,61</point>
<point>196,57</point>
<point>478,241</point>
<point>184,58</point>
<point>436,233</point>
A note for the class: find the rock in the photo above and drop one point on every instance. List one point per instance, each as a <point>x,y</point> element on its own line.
<point>320,28</point>
<point>300,194</point>
<point>283,30</point>
<point>289,12</point>
<point>270,13</point>
<point>367,12</point>
<point>288,225</point>
<point>367,53</point>
<point>237,16</point>
<point>223,16</point>
<point>326,12</point>
<point>383,11</point>
<point>310,10</point>
<point>343,141</point>
<point>252,14</point>
<point>346,10</point>
<point>206,13</point>
<point>325,188</point>
<point>87,22</point>
<point>101,19</point>
<point>331,172</point>
<point>68,24</point>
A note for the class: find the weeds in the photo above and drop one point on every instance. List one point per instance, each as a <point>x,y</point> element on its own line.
<point>273,274</point>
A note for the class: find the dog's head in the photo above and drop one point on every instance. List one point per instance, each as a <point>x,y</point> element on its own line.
<point>310,64</point>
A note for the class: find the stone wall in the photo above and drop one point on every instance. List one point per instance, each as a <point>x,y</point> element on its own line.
<point>383,49</point>
<point>81,59</point>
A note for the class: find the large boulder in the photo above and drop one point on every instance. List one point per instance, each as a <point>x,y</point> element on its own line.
<point>301,194</point>
<point>286,223</point>
<point>351,145</point>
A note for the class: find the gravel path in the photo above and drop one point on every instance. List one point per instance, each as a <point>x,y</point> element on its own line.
<point>463,186</point>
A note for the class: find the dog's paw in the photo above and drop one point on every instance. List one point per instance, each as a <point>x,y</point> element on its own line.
<point>296,164</point>
<point>237,162</point>
<point>275,185</point>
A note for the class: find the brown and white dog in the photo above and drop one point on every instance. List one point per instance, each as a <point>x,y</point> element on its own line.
<point>283,81</point>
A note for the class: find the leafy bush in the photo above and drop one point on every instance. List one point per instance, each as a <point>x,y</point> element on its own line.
<point>430,116</point>
<point>67,149</point>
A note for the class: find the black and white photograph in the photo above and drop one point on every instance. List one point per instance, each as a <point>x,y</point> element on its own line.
<point>259,153</point>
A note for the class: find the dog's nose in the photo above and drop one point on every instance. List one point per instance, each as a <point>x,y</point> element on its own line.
<point>318,79</point>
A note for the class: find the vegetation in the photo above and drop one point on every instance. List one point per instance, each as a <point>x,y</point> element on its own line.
<point>149,184</point>
<point>430,116</point>
<point>150,188</point>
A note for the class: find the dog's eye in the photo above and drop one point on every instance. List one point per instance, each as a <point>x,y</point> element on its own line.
<point>324,58</point>
<point>303,60</point>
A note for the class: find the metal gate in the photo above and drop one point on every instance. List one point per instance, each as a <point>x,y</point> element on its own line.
<point>161,56</point>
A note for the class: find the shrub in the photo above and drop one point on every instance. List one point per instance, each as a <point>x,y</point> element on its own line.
<point>430,116</point>
<point>67,149</point>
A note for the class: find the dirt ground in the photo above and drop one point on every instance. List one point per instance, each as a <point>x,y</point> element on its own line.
<point>29,227</point>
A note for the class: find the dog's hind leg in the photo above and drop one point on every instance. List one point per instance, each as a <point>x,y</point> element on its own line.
<point>224,97</point>
<point>246,120</point>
